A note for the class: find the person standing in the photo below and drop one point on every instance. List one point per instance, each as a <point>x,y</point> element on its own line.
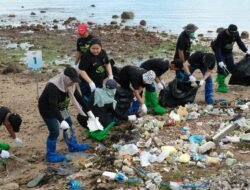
<point>82,44</point>
<point>53,107</point>
<point>94,67</point>
<point>183,46</point>
<point>159,66</point>
<point>223,48</point>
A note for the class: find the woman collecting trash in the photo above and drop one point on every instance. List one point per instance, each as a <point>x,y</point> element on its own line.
<point>53,104</point>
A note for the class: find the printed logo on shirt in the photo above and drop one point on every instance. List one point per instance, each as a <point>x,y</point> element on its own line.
<point>100,69</point>
<point>84,47</point>
<point>64,104</point>
<point>229,46</point>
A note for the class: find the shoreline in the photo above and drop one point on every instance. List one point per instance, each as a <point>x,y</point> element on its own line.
<point>125,44</point>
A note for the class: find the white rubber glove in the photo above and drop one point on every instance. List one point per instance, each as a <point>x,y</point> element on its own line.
<point>144,108</point>
<point>5,154</point>
<point>18,141</point>
<point>64,125</point>
<point>222,65</point>
<point>202,82</point>
<point>132,117</point>
<point>192,78</point>
<point>160,86</point>
<point>92,86</point>
<point>111,77</point>
<point>248,52</point>
<point>91,115</point>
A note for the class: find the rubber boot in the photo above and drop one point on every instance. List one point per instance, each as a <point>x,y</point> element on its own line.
<point>4,146</point>
<point>209,98</point>
<point>51,155</point>
<point>155,104</point>
<point>72,143</point>
<point>222,87</point>
<point>148,99</point>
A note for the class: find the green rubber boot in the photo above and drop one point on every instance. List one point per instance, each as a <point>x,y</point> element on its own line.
<point>148,99</point>
<point>155,104</point>
<point>222,87</point>
<point>4,146</point>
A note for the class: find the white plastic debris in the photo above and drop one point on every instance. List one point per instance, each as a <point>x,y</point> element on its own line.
<point>94,124</point>
<point>128,149</point>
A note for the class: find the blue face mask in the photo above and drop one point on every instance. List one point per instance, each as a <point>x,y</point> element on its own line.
<point>191,35</point>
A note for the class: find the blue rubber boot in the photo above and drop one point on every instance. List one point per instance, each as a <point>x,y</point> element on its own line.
<point>134,107</point>
<point>51,155</point>
<point>72,143</point>
<point>209,98</point>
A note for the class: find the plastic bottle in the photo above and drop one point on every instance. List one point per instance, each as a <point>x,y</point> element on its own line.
<point>120,177</point>
<point>134,180</point>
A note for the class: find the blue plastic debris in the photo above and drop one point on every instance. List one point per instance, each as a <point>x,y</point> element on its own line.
<point>195,139</point>
<point>75,185</point>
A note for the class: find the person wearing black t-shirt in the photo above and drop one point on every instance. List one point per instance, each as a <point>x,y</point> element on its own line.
<point>159,66</point>
<point>12,121</point>
<point>205,62</point>
<point>53,107</point>
<point>223,48</point>
<point>82,44</point>
<point>136,78</point>
<point>183,46</point>
<point>94,67</point>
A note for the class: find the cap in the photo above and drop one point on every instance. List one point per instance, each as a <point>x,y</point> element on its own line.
<point>111,84</point>
<point>232,29</point>
<point>190,28</point>
<point>72,74</point>
<point>149,77</point>
<point>95,41</point>
<point>15,121</point>
<point>82,28</point>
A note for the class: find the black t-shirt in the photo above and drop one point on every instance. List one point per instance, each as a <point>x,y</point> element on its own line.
<point>52,100</point>
<point>82,44</point>
<point>94,66</point>
<point>159,66</point>
<point>224,43</point>
<point>132,74</point>
<point>196,60</point>
<point>184,44</point>
<point>3,112</point>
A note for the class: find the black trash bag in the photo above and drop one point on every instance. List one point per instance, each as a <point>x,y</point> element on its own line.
<point>124,99</point>
<point>241,73</point>
<point>177,93</point>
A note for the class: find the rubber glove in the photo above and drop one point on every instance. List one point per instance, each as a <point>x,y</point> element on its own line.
<point>91,115</point>
<point>4,154</point>
<point>144,108</point>
<point>132,117</point>
<point>92,86</point>
<point>160,86</point>
<point>222,65</point>
<point>64,125</point>
<point>202,82</point>
<point>192,78</point>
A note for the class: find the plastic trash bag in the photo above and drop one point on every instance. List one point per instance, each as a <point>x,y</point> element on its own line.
<point>177,93</point>
<point>241,73</point>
